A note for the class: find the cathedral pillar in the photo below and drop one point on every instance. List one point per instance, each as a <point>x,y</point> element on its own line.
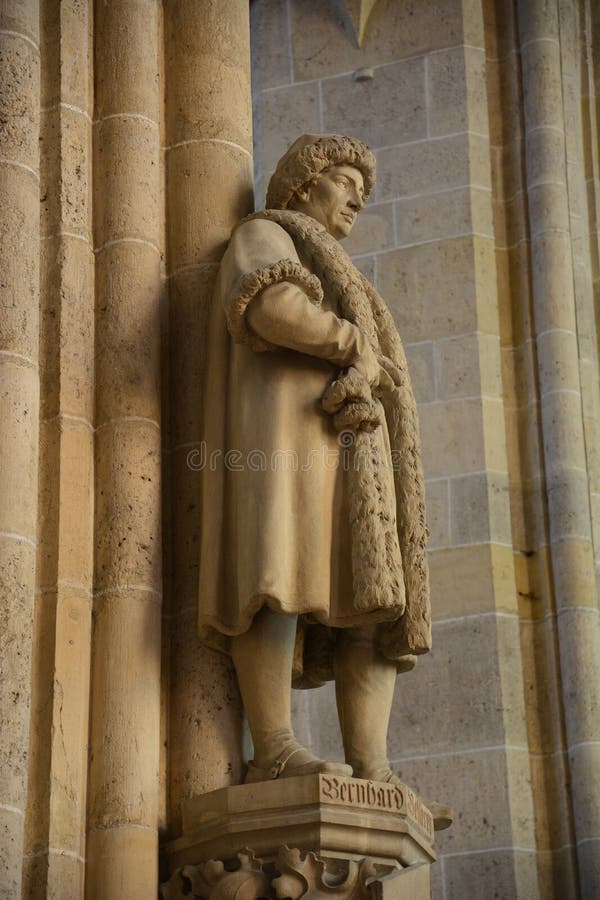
<point>54,851</point>
<point>123,800</point>
<point>565,453</point>
<point>19,408</point>
<point>208,162</point>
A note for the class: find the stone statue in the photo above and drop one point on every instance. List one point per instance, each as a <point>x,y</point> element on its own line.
<point>313,560</point>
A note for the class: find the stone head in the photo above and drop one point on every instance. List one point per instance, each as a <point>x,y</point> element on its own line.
<point>334,198</point>
<point>327,177</point>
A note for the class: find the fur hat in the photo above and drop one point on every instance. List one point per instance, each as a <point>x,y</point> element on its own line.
<point>310,155</point>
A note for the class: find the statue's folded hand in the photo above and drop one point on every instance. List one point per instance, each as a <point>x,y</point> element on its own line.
<point>378,371</point>
<point>367,364</point>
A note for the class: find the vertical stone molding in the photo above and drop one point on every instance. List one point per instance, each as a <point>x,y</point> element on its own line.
<point>55,822</point>
<point>564,448</point>
<point>543,726</point>
<point>123,792</point>
<point>19,408</point>
<point>208,160</point>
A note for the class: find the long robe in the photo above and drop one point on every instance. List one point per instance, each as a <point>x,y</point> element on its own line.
<point>275,523</point>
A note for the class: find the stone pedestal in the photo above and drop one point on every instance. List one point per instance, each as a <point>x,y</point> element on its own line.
<point>311,836</point>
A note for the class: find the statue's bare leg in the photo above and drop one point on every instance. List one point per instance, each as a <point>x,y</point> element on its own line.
<point>263,658</point>
<point>364,686</point>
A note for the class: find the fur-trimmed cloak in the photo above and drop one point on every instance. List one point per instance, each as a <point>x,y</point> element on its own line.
<point>276,511</point>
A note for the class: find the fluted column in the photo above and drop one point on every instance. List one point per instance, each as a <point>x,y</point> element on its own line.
<point>19,408</point>
<point>209,188</point>
<point>565,460</point>
<point>123,795</point>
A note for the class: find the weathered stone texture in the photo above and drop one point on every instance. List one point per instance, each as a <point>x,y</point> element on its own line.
<point>286,112</point>
<point>481,235</point>
<point>323,42</point>
<point>398,94</point>
<point>457,91</point>
<point>123,800</point>
<point>127,342</point>
<point>208,189</point>
<point>19,261</point>
<point>116,216</point>
<point>19,411</point>
<point>203,210</point>
<point>499,376</point>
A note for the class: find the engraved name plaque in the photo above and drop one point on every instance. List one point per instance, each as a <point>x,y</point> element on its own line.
<point>376,795</point>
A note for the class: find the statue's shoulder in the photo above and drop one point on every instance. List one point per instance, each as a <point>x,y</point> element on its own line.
<point>259,227</point>
<point>261,235</point>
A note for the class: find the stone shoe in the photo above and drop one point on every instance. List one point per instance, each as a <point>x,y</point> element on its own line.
<point>295,760</point>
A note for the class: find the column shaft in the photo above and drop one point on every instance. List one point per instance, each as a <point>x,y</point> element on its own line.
<point>123,795</point>
<point>55,820</point>
<point>209,188</point>
<point>565,459</point>
<point>19,410</point>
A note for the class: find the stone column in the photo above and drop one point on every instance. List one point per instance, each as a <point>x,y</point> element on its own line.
<point>565,460</point>
<point>56,796</point>
<point>125,700</point>
<point>209,188</point>
<point>19,408</point>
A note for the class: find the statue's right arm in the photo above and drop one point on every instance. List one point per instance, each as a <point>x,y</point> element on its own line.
<point>283,315</point>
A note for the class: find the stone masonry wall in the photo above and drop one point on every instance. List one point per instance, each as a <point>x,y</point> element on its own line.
<point>473,724</point>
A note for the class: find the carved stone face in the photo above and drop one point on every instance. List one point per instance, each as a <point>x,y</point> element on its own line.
<point>334,199</point>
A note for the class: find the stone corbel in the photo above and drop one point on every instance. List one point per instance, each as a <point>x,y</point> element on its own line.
<point>314,837</point>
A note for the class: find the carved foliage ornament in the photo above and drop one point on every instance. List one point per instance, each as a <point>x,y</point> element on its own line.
<point>292,877</point>
<point>308,878</point>
<point>212,881</point>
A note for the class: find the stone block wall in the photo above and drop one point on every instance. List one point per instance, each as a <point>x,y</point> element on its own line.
<point>125,160</point>
<point>464,195</point>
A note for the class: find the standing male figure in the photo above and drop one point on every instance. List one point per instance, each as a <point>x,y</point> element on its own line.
<point>313,524</point>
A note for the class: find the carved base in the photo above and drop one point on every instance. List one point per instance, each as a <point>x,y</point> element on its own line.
<point>351,840</point>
